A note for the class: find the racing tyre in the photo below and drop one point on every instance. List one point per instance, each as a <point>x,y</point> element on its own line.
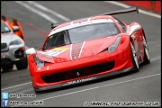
<point>7,67</point>
<point>146,53</point>
<point>134,58</point>
<point>23,64</point>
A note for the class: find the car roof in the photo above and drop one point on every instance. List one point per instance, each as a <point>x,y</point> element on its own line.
<point>82,21</point>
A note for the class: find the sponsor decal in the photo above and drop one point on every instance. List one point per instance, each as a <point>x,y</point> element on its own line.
<point>79,81</point>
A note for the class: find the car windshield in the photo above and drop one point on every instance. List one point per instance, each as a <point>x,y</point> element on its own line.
<point>4,28</point>
<point>80,34</point>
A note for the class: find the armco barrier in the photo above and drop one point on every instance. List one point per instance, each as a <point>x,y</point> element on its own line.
<point>158,6</point>
<point>148,5</point>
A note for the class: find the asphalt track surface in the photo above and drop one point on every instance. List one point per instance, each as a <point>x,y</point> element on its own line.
<point>142,88</point>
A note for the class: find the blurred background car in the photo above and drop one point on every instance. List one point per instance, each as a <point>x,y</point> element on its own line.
<point>12,48</point>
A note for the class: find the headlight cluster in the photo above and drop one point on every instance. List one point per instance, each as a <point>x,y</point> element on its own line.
<point>15,42</point>
<point>114,46</point>
<point>38,62</point>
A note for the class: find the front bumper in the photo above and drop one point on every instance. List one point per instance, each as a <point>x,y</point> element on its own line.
<point>122,59</point>
<point>83,80</point>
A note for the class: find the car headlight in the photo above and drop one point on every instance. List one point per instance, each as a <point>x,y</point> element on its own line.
<point>38,62</point>
<point>114,46</point>
<point>15,42</point>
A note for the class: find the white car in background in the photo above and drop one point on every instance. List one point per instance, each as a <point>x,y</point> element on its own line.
<point>12,49</point>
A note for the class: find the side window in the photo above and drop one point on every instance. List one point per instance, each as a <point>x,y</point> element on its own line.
<point>66,39</point>
<point>120,24</point>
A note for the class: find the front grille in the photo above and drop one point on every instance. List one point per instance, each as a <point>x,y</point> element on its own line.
<point>3,45</point>
<point>66,75</point>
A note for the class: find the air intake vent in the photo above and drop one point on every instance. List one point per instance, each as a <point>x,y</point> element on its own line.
<point>76,50</point>
<point>4,47</point>
<point>76,73</point>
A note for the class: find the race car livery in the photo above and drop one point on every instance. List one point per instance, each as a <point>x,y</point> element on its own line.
<point>88,49</point>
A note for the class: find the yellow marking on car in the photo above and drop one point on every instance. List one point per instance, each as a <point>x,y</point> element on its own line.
<point>51,36</point>
<point>61,49</point>
<point>133,37</point>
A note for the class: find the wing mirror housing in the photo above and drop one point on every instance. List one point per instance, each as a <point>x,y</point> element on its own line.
<point>30,51</point>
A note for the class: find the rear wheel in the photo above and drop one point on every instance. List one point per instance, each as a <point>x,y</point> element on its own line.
<point>146,53</point>
<point>134,58</point>
<point>7,67</point>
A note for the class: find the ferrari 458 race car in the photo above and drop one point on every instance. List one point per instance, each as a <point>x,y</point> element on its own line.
<point>12,49</point>
<point>87,49</point>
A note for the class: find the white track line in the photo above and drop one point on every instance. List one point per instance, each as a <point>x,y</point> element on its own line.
<point>140,10</point>
<point>36,11</point>
<point>16,86</point>
<point>48,10</point>
<point>156,58</point>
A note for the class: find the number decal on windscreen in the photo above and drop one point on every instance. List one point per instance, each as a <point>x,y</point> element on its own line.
<point>53,52</point>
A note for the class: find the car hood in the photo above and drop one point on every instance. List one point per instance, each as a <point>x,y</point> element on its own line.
<point>8,37</point>
<point>76,51</point>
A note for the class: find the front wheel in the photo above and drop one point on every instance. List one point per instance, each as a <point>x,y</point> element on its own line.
<point>7,67</point>
<point>23,64</point>
<point>134,58</point>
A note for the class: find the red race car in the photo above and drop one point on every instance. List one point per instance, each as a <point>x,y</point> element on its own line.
<point>87,49</point>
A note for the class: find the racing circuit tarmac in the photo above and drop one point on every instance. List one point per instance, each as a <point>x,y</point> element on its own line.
<point>142,87</point>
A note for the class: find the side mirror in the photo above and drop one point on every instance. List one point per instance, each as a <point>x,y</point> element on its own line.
<point>53,25</point>
<point>16,28</point>
<point>30,51</point>
<point>133,28</point>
